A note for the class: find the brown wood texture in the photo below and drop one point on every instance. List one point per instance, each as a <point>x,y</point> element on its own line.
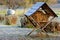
<point>40,17</point>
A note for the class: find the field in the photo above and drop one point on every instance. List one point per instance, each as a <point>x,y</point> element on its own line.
<point>22,11</point>
<point>17,11</point>
<point>15,33</point>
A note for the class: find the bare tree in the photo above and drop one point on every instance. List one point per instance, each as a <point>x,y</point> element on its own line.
<point>47,1</point>
<point>13,3</point>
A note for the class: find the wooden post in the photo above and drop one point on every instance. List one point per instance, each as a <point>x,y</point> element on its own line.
<point>39,25</point>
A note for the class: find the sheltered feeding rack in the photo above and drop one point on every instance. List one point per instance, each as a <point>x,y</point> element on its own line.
<point>39,14</point>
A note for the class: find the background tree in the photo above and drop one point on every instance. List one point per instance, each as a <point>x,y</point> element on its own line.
<point>13,3</point>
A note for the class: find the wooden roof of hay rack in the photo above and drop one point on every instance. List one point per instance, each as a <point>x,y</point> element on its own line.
<point>40,5</point>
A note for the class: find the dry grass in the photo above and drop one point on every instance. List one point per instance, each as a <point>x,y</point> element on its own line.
<point>22,11</point>
<point>18,11</point>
